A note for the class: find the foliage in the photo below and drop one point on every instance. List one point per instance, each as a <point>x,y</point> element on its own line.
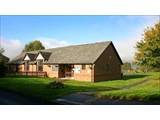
<point>126,66</point>
<point>148,49</point>
<point>34,45</point>
<point>3,66</point>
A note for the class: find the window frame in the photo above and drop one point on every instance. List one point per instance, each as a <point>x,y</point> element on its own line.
<point>26,66</point>
<point>40,65</point>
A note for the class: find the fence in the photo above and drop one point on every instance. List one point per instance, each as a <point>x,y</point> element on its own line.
<point>28,73</point>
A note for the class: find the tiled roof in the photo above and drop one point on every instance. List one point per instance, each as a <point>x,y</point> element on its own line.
<point>80,54</point>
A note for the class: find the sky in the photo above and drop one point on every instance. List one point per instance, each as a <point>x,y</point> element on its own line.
<point>57,31</point>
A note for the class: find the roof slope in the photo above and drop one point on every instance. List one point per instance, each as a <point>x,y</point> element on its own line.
<point>32,56</point>
<point>18,59</point>
<point>86,53</point>
<point>3,57</point>
<point>76,54</point>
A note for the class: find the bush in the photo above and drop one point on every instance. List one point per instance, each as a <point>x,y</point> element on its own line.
<point>56,84</point>
<point>3,68</point>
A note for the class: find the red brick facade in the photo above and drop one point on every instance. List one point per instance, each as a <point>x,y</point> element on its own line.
<point>106,67</point>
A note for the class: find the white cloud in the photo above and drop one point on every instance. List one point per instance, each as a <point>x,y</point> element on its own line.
<point>126,46</point>
<point>15,47</point>
<point>126,49</point>
<point>12,47</point>
<point>52,43</point>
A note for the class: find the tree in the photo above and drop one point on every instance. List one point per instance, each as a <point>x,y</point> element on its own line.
<point>148,49</point>
<point>126,66</point>
<point>3,63</point>
<point>34,45</point>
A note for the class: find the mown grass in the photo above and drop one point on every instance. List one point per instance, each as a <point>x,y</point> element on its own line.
<point>148,91</point>
<point>38,87</point>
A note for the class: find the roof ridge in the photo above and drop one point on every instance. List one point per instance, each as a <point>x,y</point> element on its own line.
<point>44,50</point>
<point>79,45</point>
<point>91,51</point>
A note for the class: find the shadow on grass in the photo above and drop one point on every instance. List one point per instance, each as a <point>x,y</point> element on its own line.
<point>133,76</point>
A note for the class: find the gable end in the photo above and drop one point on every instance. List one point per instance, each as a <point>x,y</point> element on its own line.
<point>114,51</point>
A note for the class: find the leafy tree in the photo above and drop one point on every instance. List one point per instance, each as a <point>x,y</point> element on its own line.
<point>126,66</point>
<point>34,45</point>
<point>3,65</point>
<point>148,49</point>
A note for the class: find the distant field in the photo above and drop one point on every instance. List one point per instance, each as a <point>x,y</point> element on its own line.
<point>139,86</point>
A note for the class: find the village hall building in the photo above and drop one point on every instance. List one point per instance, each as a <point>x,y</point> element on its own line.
<point>87,62</point>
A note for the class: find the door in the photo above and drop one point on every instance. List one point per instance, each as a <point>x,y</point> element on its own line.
<point>61,71</point>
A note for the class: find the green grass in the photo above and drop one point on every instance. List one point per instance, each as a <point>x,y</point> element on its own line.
<point>37,87</point>
<point>148,91</point>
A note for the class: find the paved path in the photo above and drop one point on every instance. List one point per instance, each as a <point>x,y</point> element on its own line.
<point>82,98</point>
<point>11,98</point>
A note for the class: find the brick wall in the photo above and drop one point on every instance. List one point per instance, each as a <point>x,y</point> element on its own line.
<point>50,72</point>
<point>21,68</point>
<point>83,75</point>
<point>33,68</point>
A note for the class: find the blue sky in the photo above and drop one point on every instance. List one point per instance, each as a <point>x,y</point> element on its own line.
<point>56,31</point>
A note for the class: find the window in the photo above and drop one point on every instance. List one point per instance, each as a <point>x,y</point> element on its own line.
<point>83,67</point>
<point>26,66</point>
<point>40,65</point>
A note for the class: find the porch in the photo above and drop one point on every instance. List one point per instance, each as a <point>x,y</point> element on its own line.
<point>65,71</point>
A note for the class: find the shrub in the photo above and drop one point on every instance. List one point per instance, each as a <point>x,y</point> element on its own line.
<point>56,84</point>
<point>3,68</point>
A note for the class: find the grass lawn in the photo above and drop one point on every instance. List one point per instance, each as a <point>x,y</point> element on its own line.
<point>38,87</point>
<point>148,91</point>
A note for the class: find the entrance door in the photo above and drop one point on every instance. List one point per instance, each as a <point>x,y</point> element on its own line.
<point>65,70</point>
<point>61,71</point>
<point>68,71</point>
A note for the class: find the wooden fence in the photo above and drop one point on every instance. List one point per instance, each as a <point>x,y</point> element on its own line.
<point>29,73</point>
